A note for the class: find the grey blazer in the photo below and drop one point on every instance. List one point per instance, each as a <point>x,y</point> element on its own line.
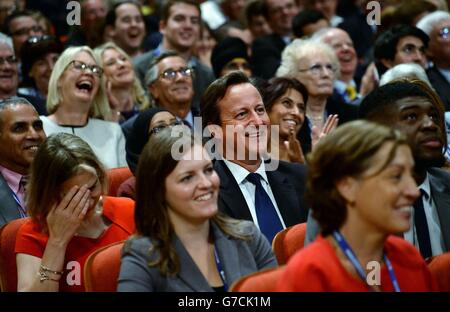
<point>8,206</point>
<point>238,258</point>
<point>440,191</point>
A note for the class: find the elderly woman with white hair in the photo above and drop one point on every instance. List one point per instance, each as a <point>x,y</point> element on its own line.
<point>77,103</point>
<point>316,66</point>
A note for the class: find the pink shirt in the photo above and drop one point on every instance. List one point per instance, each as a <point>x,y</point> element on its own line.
<point>13,178</point>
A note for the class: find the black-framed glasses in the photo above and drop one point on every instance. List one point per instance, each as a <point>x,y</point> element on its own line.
<point>317,69</point>
<point>36,39</point>
<point>27,30</point>
<point>82,67</point>
<point>9,59</point>
<point>159,128</point>
<point>443,33</point>
<point>171,74</point>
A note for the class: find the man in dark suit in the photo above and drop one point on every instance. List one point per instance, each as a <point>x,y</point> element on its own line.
<point>234,114</point>
<point>21,133</point>
<point>266,51</point>
<point>436,25</point>
<point>413,109</point>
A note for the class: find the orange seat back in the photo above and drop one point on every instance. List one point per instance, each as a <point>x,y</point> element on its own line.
<point>287,242</point>
<point>440,269</point>
<point>102,267</point>
<point>262,281</point>
<point>116,177</point>
<point>8,264</point>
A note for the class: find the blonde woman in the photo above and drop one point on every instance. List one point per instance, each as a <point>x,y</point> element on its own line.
<point>125,93</point>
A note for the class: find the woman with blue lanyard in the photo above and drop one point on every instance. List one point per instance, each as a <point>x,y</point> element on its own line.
<point>183,243</point>
<point>361,190</point>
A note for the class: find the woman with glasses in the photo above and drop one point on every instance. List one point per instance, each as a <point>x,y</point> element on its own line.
<point>77,104</point>
<point>147,123</point>
<point>125,94</point>
<point>70,216</point>
<point>39,55</point>
<point>183,243</point>
<point>315,65</point>
<point>361,188</point>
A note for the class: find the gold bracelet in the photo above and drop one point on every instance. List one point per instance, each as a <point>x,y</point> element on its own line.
<point>43,268</point>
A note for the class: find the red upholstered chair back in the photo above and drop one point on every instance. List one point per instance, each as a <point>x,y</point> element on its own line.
<point>116,177</point>
<point>101,269</point>
<point>262,281</point>
<point>8,265</point>
<point>440,269</point>
<point>287,242</point>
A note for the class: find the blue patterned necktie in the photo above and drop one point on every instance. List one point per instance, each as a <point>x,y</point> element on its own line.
<point>268,220</point>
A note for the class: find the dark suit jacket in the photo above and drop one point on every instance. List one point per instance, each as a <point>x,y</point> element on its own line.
<point>203,75</point>
<point>441,85</point>
<point>266,55</point>
<point>8,206</point>
<point>440,191</point>
<point>287,184</point>
<point>238,258</point>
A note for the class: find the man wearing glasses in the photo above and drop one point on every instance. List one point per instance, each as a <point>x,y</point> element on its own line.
<point>436,25</point>
<point>8,68</point>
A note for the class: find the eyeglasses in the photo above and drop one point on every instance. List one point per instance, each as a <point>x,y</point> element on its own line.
<point>80,66</point>
<point>9,59</point>
<point>27,30</point>
<point>159,128</point>
<point>171,74</point>
<point>36,39</point>
<point>412,49</point>
<point>317,69</point>
<point>443,33</point>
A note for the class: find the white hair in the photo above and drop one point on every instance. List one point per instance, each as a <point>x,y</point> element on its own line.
<point>429,21</point>
<point>4,39</point>
<point>301,48</point>
<point>406,70</point>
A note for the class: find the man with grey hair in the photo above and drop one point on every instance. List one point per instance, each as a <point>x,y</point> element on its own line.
<point>21,133</point>
<point>436,25</point>
<point>9,78</point>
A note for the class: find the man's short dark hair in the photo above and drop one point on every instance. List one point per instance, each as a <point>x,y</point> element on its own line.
<point>165,12</point>
<point>16,14</point>
<point>386,44</point>
<point>111,16</point>
<point>254,8</point>
<point>305,18</point>
<point>10,102</point>
<point>215,92</point>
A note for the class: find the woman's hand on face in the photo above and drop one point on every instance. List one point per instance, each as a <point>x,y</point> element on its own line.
<point>294,149</point>
<point>330,125</point>
<point>66,216</point>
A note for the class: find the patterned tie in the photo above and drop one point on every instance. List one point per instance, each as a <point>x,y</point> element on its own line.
<point>350,90</point>
<point>420,222</point>
<point>268,219</point>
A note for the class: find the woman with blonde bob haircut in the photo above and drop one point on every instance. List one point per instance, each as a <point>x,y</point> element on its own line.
<point>125,93</point>
<point>76,103</point>
<point>70,216</point>
<point>183,242</point>
<point>361,189</point>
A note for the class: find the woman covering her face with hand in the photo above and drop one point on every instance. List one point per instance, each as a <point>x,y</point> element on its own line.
<point>361,189</point>
<point>183,243</point>
<point>70,217</point>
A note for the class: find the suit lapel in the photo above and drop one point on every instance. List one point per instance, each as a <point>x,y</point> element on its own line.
<point>189,272</point>
<point>231,200</point>
<point>441,197</point>
<point>285,196</point>
<point>8,206</point>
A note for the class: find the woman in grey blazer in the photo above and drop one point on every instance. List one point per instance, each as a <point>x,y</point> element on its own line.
<point>183,243</point>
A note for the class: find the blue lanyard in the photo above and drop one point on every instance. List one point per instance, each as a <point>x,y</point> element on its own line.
<point>220,269</point>
<point>22,211</point>
<point>345,247</point>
